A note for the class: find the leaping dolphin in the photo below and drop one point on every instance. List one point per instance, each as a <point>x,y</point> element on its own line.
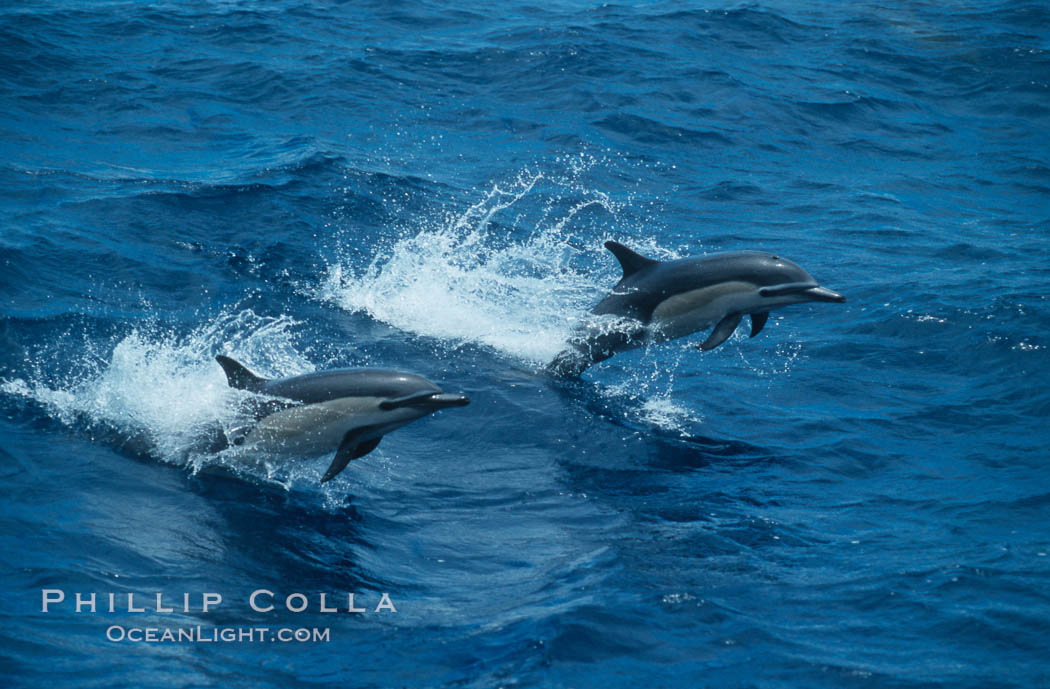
<point>656,301</point>
<point>350,409</point>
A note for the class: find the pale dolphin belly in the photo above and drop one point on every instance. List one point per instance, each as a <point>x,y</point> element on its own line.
<point>316,429</point>
<point>689,312</point>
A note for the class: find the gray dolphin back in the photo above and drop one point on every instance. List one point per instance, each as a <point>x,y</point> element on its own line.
<point>323,386</point>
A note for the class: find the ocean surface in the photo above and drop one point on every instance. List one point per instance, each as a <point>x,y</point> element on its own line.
<point>857,497</point>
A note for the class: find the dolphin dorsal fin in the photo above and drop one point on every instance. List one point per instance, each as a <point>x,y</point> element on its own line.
<point>238,375</point>
<point>630,261</point>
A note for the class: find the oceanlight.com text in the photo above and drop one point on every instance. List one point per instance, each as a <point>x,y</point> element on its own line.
<point>202,635</point>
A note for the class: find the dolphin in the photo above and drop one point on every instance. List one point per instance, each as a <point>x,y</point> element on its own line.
<point>656,301</point>
<point>349,409</point>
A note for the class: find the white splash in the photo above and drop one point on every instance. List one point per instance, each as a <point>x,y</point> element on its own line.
<point>162,389</point>
<point>467,279</point>
<point>652,386</point>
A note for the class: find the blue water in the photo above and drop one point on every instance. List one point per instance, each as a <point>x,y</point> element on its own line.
<point>858,497</point>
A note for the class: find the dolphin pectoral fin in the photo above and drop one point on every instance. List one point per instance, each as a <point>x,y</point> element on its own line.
<point>722,331</point>
<point>365,447</point>
<point>758,321</point>
<point>350,448</point>
<point>343,455</point>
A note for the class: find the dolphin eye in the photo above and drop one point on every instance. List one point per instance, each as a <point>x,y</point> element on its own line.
<point>775,257</point>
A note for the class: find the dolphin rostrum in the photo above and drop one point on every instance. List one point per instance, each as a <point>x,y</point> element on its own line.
<point>349,409</point>
<point>656,301</point>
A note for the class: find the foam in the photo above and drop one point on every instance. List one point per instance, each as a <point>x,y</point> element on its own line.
<point>465,279</point>
<point>161,390</point>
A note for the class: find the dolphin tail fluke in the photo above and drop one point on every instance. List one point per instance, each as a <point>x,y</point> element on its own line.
<point>631,261</point>
<point>238,375</point>
<point>351,448</point>
<point>722,331</point>
<point>570,363</point>
<point>758,321</point>
<point>586,350</point>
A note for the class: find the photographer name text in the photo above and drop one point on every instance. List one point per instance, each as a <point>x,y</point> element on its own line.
<point>260,600</point>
